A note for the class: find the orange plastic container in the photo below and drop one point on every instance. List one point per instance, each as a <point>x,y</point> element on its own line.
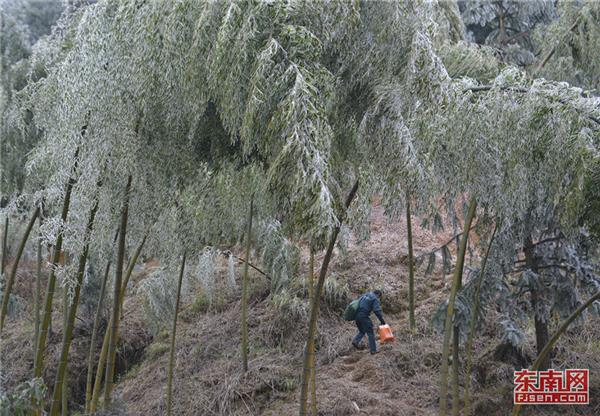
<point>385,334</point>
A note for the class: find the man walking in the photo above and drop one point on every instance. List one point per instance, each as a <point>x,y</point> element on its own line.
<point>369,302</point>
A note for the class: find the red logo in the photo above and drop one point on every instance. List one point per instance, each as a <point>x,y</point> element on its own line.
<point>552,387</point>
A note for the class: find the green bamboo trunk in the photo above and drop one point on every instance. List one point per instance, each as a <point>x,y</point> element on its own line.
<point>129,272</point>
<point>38,292</point>
<point>455,370</point>
<point>542,334</point>
<point>173,333</point>
<point>472,324</point>
<point>4,246</point>
<point>41,344</point>
<point>95,398</point>
<point>64,404</point>
<point>411,268</point>
<point>100,369</point>
<point>245,291</point>
<point>460,259</point>
<point>61,374</point>
<point>112,345</point>
<point>13,272</point>
<point>97,317</point>
<point>313,364</point>
<point>309,350</point>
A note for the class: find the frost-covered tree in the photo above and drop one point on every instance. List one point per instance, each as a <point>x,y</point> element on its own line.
<point>22,25</point>
<point>507,25</point>
<point>185,111</point>
<point>567,45</point>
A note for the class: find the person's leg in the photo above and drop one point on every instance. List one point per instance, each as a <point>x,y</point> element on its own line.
<point>359,336</point>
<point>371,335</point>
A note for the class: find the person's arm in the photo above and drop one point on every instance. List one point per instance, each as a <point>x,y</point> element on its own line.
<point>377,310</point>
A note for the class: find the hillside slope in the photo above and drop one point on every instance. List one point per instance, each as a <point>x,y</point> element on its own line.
<point>401,380</point>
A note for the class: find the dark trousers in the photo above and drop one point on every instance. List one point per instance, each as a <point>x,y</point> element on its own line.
<point>365,326</point>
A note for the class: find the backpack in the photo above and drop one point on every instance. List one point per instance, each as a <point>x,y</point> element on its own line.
<point>351,309</point>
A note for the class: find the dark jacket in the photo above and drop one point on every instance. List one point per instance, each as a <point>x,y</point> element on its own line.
<point>368,303</point>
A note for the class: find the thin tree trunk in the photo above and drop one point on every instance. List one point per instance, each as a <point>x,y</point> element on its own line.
<point>543,355</point>
<point>4,246</point>
<point>456,354</point>
<point>473,323</point>
<point>38,291</point>
<point>100,368</point>
<point>129,272</point>
<point>311,277</point>
<point>41,344</point>
<point>541,330</point>
<point>460,259</point>
<point>103,352</point>
<point>63,391</point>
<point>245,290</point>
<point>313,364</point>
<point>455,370</point>
<point>411,268</point>
<point>173,333</point>
<point>13,272</point>
<point>97,317</point>
<point>61,374</point>
<point>112,345</point>
<point>541,325</point>
<point>314,308</point>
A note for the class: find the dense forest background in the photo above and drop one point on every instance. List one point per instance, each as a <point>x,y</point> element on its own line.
<point>191,192</point>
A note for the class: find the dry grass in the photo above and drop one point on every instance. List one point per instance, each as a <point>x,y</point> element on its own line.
<point>401,381</point>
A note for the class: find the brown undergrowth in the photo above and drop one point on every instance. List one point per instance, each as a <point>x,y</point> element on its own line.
<point>401,380</point>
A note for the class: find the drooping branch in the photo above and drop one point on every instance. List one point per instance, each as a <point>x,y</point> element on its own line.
<point>553,50</point>
<point>521,90</point>
<point>446,244</point>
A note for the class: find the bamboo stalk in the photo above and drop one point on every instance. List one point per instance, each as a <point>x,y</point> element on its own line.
<point>314,308</point>
<point>4,246</point>
<point>548,347</point>
<point>61,373</point>
<point>311,277</point>
<point>41,344</point>
<point>472,324</point>
<point>411,268</point>
<point>541,326</point>
<point>313,364</point>
<point>38,291</point>
<point>88,383</point>
<point>173,333</point>
<point>63,391</point>
<point>245,290</point>
<point>455,370</point>
<point>129,272</point>
<point>112,345</point>
<point>100,369</point>
<point>13,272</point>
<point>103,352</point>
<point>97,317</point>
<point>450,309</point>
